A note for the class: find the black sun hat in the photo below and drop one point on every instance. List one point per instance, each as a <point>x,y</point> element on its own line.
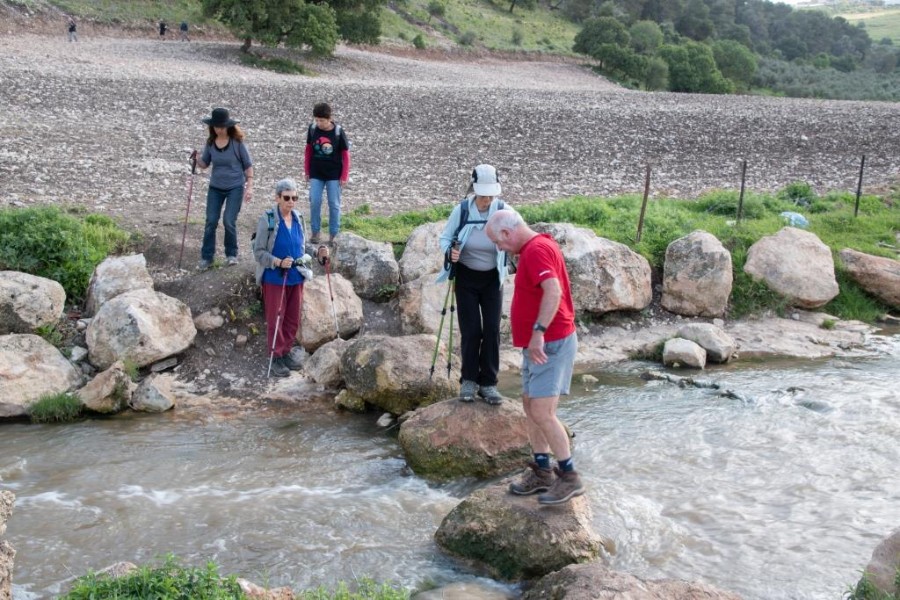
<point>220,118</point>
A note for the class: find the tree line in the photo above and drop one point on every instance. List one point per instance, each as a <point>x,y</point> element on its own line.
<point>715,46</point>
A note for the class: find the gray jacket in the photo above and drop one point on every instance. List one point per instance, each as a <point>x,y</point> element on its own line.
<point>264,239</point>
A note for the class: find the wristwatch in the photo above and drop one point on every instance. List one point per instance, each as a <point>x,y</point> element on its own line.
<point>539,327</point>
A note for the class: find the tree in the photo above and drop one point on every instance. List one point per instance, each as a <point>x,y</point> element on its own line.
<point>646,37</point>
<point>692,68</point>
<point>735,62</point>
<point>436,8</point>
<point>656,75</point>
<point>598,32</point>
<point>695,22</point>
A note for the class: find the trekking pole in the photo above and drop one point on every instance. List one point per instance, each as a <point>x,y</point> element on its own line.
<point>325,261</point>
<point>277,321</point>
<point>188,210</point>
<point>437,342</point>
<point>452,279</point>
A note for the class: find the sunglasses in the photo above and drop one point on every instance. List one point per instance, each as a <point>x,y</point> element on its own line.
<point>289,198</point>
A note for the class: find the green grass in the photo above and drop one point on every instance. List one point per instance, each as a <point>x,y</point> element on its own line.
<point>490,25</point>
<point>174,581</point>
<point>831,219</point>
<point>274,63</point>
<point>865,590</point>
<point>55,408</point>
<point>119,12</point>
<point>880,23</point>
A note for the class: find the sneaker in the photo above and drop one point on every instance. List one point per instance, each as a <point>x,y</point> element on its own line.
<point>490,394</point>
<point>567,486</point>
<point>291,362</point>
<point>204,265</point>
<point>231,261</point>
<point>533,480</point>
<point>315,238</point>
<point>467,390</point>
<point>279,369</point>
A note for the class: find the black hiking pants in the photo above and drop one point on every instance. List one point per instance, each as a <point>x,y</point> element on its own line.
<point>479,301</point>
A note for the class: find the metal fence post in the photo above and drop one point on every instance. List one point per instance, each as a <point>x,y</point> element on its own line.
<point>862,166</point>
<point>740,210</point>
<point>637,239</point>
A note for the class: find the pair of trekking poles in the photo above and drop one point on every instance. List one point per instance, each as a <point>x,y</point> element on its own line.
<point>451,297</point>
<point>325,261</point>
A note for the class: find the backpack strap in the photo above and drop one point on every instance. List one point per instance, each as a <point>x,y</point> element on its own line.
<point>464,215</point>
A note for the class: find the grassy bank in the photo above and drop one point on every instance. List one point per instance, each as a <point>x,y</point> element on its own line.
<point>830,217</point>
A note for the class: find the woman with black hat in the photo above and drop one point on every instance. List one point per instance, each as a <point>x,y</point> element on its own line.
<point>230,184</point>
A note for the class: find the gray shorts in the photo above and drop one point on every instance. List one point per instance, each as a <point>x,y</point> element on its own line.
<point>554,377</point>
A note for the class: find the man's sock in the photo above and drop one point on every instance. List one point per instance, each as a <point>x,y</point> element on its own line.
<point>566,465</point>
<point>543,461</point>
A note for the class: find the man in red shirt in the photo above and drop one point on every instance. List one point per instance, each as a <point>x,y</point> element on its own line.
<point>543,325</point>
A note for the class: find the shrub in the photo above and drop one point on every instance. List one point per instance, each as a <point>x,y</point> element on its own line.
<point>436,8</point>
<point>419,41</point>
<point>798,193</point>
<point>517,37</point>
<point>56,408</point>
<point>46,242</point>
<point>366,589</point>
<point>171,581</point>
<point>273,63</point>
<point>467,38</point>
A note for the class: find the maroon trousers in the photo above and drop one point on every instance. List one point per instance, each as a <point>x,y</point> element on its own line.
<point>290,315</point>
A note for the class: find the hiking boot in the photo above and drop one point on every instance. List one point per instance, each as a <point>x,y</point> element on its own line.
<point>315,238</point>
<point>490,394</point>
<point>567,486</point>
<point>231,261</point>
<point>279,369</point>
<point>291,362</point>
<point>204,265</point>
<point>533,480</point>
<point>467,390</point>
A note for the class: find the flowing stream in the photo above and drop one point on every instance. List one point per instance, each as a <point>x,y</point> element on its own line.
<point>782,494</point>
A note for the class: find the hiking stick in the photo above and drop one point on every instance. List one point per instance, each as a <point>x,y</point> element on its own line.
<point>188,210</point>
<point>452,279</point>
<point>277,321</point>
<point>325,261</point>
<point>440,330</point>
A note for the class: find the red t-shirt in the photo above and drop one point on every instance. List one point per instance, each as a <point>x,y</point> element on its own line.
<point>540,259</point>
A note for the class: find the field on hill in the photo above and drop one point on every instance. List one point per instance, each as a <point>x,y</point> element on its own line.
<point>879,23</point>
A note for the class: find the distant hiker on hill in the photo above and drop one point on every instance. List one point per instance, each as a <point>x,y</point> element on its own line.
<point>326,164</point>
<point>72,27</point>
<point>184,31</point>
<point>162,30</point>
<point>230,185</point>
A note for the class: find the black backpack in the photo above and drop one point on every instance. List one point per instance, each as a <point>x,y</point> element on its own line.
<point>464,216</point>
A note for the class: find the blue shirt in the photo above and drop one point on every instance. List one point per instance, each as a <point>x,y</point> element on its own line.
<point>288,242</point>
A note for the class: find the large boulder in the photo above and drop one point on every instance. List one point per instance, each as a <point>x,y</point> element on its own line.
<point>420,303</point>
<point>7,552</point>
<point>30,367</point>
<point>141,326</point>
<point>604,275</point>
<point>678,352</point>
<point>514,537</point>
<point>796,264</point>
<point>109,392</point>
<point>877,275</point>
<point>28,302</point>
<point>697,276</point>
<point>882,569</point>
<point>316,317</point>
<point>719,346</point>
<point>153,394</point>
<point>371,266</point>
<point>452,439</point>
<point>422,254</point>
<point>392,373</point>
<point>324,366</point>
<point>116,275</point>
<point>596,581</point>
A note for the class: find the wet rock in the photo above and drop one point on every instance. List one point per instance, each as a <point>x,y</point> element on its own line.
<point>153,394</point>
<point>324,366</point>
<point>116,275</point>
<point>109,392</point>
<point>680,352</point>
<point>256,592</point>
<point>30,367</point>
<point>719,345</point>
<point>697,276</point>
<point>28,302</point>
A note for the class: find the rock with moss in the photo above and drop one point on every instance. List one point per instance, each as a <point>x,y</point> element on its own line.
<point>465,439</point>
<point>369,265</point>
<point>31,368</point>
<point>514,537</point>
<point>594,581</point>
<point>108,392</point>
<point>392,373</point>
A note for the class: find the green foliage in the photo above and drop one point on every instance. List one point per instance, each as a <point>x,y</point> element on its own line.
<point>807,81</point>
<point>46,242</point>
<point>436,8</point>
<point>517,37</point>
<point>467,38</point>
<point>736,62</point>
<point>866,590</point>
<point>828,324</point>
<point>419,42</point>
<point>646,37</point>
<point>51,334</point>
<point>656,76</point>
<point>55,408</point>
<point>359,26</point>
<point>600,33</point>
<point>799,193</point>
<point>171,581</point>
<point>692,68</point>
<point>366,589</point>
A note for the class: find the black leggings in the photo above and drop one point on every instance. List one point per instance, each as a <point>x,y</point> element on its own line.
<point>479,301</point>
